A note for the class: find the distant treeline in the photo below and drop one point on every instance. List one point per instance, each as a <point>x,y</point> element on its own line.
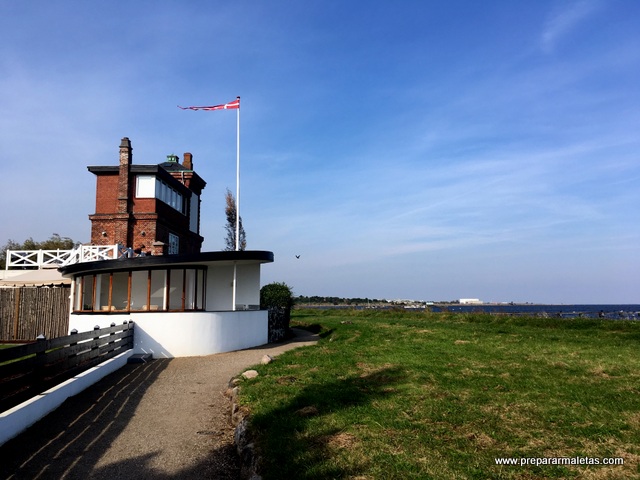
<point>302,300</point>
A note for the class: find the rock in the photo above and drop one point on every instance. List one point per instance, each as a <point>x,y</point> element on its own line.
<point>246,451</point>
<point>249,374</point>
<point>266,359</point>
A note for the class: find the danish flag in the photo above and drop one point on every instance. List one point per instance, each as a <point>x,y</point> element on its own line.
<point>226,106</point>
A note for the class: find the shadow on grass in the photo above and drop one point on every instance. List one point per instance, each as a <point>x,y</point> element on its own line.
<point>298,440</point>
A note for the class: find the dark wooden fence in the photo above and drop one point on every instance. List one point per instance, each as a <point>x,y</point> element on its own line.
<point>26,312</point>
<point>27,370</point>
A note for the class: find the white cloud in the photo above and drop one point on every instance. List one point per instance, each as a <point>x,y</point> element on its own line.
<point>565,19</point>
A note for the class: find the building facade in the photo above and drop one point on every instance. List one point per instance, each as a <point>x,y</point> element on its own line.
<point>151,209</point>
<point>184,302</point>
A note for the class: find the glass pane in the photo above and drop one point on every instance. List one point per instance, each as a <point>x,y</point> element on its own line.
<point>78,294</point>
<point>174,244</point>
<point>176,290</point>
<point>102,292</point>
<point>120,291</point>
<point>87,292</point>
<point>157,289</point>
<point>145,186</point>
<point>139,283</point>
<point>190,290</point>
<point>200,291</point>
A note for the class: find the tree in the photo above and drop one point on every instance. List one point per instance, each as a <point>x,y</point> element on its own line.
<point>230,211</point>
<point>55,242</point>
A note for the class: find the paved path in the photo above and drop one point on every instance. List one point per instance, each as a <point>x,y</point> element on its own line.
<point>165,419</point>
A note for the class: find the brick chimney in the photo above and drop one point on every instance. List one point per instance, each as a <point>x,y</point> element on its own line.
<point>188,161</point>
<point>123,178</point>
<point>123,232</point>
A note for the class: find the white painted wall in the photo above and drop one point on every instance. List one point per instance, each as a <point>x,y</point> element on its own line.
<point>185,334</point>
<point>19,418</point>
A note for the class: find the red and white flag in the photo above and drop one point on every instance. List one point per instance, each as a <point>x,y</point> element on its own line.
<point>226,106</point>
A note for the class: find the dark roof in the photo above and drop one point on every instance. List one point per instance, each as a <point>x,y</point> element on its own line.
<point>175,166</point>
<point>161,170</point>
<point>160,261</point>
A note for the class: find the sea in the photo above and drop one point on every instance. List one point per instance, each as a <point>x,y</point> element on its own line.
<point>611,312</point>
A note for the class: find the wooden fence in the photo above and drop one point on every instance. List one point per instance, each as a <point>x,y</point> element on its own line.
<point>28,370</point>
<point>26,312</point>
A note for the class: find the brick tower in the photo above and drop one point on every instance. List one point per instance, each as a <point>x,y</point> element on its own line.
<point>150,208</point>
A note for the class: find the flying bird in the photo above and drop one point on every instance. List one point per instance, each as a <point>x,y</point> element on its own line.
<point>297,256</point>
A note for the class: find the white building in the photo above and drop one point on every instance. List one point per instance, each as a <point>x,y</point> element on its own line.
<point>470,301</point>
<point>182,305</point>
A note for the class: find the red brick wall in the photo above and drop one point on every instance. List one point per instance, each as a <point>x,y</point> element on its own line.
<point>106,194</point>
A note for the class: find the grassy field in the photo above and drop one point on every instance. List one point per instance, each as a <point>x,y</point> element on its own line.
<point>396,395</point>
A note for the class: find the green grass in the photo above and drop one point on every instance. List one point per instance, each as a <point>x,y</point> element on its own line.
<point>395,395</point>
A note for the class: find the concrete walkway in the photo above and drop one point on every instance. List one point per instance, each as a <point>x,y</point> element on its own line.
<point>164,419</point>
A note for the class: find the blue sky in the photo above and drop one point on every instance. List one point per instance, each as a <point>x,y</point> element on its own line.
<point>431,150</point>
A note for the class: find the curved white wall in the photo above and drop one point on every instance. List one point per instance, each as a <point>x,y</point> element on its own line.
<point>186,334</point>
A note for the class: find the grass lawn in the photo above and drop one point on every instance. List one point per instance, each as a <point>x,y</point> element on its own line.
<point>396,395</point>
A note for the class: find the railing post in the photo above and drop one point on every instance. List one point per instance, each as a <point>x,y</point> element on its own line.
<point>16,311</point>
<point>129,326</point>
<point>111,342</point>
<point>73,344</point>
<point>95,347</point>
<point>41,356</point>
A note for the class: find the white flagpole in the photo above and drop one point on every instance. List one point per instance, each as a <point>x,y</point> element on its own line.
<point>238,179</point>
<point>235,272</point>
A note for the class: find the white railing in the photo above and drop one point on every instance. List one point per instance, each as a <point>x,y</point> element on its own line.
<point>59,258</point>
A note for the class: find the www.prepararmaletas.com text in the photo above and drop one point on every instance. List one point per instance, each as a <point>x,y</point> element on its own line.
<point>539,461</point>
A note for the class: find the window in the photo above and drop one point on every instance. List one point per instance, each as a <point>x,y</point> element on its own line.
<point>120,291</point>
<point>139,290</point>
<point>84,293</point>
<point>145,186</point>
<point>193,213</point>
<point>170,196</point>
<point>174,244</point>
<point>175,289</point>
<point>103,289</point>
<point>156,293</point>
<point>149,186</point>
<point>190,297</point>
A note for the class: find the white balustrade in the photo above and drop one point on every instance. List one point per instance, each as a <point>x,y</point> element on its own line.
<point>59,258</point>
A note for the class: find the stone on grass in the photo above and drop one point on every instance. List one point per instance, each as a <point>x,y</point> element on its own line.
<point>266,359</point>
<point>250,374</point>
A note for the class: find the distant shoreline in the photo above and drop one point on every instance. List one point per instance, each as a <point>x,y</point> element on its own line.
<point>603,311</point>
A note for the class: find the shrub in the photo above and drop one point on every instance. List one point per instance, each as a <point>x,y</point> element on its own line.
<point>278,299</point>
<point>277,294</point>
